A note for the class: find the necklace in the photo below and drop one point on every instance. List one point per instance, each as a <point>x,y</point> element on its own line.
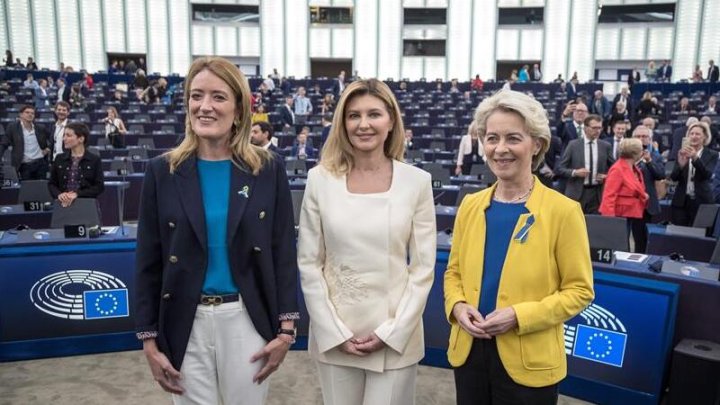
<point>516,199</point>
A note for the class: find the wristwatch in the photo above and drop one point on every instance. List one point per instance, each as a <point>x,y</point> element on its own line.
<point>290,332</point>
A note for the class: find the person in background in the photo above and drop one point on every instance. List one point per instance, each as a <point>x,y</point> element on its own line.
<point>303,147</point>
<point>30,82</point>
<point>519,266</point>
<point>42,98</point>
<point>470,151</point>
<point>366,253</point>
<point>477,83</point>
<point>326,122</point>
<point>30,144</point>
<point>57,130</point>
<point>653,170</point>
<point>76,173</point>
<point>523,76</point>
<point>261,134</point>
<point>697,76</point>
<point>260,114</point>
<point>114,128</point>
<point>77,100</point>
<point>216,268</point>
<point>9,59</point>
<point>693,174</point>
<point>624,194</point>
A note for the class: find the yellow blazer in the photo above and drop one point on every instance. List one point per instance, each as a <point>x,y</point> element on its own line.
<point>547,279</point>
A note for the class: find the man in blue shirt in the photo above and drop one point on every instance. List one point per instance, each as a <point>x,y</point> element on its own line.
<point>303,106</point>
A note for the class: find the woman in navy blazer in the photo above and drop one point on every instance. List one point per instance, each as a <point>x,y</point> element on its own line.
<point>216,295</point>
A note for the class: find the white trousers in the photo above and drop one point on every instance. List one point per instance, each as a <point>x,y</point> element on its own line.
<point>216,368</point>
<point>354,386</point>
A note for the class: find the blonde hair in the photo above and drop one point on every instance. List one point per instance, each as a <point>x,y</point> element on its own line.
<point>338,154</point>
<point>530,110</point>
<point>245,155</point>
<point>705,128</point>
<point>113,110</point>
<point>630,148</point>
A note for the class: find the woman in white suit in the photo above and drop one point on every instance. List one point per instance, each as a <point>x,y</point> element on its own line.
<point>470,151</point>
<point>365,212</point>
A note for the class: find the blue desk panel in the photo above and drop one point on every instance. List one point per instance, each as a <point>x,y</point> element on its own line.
<point>66,299</point>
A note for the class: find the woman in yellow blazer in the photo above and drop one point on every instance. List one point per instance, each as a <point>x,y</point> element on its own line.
<point>519,266</point>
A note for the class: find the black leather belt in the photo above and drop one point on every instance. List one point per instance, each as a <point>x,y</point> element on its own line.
<point>591,186</point>
<point>218,299</point>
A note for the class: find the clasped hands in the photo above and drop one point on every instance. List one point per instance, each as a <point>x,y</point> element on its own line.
<point>362,346</point>
<point>67,198</point>
<point>495,323</point>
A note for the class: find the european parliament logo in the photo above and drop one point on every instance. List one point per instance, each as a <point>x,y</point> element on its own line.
<point>602,339</point>
<point>81,295</point>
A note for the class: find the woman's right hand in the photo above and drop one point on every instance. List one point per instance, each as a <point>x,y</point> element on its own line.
<point>458,170</point>
<point>162,370</point>
<point>468,317</point>
<point>348,347</point>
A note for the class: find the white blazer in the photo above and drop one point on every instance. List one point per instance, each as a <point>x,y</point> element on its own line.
<point>466,149</point>
<point>353,252</point>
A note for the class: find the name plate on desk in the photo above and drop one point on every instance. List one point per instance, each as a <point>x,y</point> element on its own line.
<point>122,172</point>
<point>75,231</point>
<point>7,183</point>
<point>437,184</point>
<point>601,255</point>
<point>33,206</point>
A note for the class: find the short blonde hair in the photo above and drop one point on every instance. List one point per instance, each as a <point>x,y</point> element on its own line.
<point>705,128</point>
<point>245,155</point>
<point>530,110</point>
<point>630,148</point>
<point>338,155</point>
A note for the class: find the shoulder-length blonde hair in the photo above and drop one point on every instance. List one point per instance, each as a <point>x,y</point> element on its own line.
<point>338,156</point>
<point>704,127</point>
<point>245,155</point>
<point>529,109</point>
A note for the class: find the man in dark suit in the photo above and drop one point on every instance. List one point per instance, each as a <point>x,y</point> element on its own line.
<point>287,115</point>
<point>600,105</point>
<point>63,91</point>
<point>339,84</point>
<point>653,169</point>
<point>57,129</point>
<point>619,130</point>
<point>585,164</point>
<point>261,134</point>
<point>665,71</point>
<point>303,147</point>
<point>713,72</point>
<point>326,124</point>
<point>624,97</point>
<point>571,128</point>
<point>633,77</point>
<point>30,146</point>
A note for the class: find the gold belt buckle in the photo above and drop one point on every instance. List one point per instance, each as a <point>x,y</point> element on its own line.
<point>211,299</point>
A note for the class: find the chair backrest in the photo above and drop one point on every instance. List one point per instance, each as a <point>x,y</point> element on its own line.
<point>414,154</point>
<point>146,143</point>
<point>34,190</point>
<point>10,173</point>
<point>476,170</point>
<point>715,258</point>
<point>297,198</point>
<point>116,165</point>
<point>437,145</point>
<point>607,232</point>
<point>706,215</point>
<point>103,142</point>
<point>487,176</point>
<point>137,153</point>
<point>83,211</point>
<point>438,173</point>
<point>685,231</point>
<point>465,190</point>
<point>296,166</point>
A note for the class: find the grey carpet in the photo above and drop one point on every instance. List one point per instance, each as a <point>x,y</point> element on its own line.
<point>123,378</point>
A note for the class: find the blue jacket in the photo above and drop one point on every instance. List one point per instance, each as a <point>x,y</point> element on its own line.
<point>172,251</point>
<point>652,172</point>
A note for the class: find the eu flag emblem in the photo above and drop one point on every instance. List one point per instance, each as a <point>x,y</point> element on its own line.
<point>99,304</point>
<point>600,345</point>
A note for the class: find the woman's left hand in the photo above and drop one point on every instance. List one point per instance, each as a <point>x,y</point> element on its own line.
<point>274,353</point>
<point>499,321</point>
<point>368,344</point>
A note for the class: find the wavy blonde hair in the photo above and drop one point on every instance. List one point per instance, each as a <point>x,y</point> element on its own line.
<point>338,156</point>
<point>245,155</point>
<point>530,110</point>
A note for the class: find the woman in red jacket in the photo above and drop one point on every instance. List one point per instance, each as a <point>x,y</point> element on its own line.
<point>624,193</point>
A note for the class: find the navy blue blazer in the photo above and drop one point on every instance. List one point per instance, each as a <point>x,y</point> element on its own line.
<point>172,251</point>
<point>652,172</point>
<point>286,117</point>
<point>567,132</point>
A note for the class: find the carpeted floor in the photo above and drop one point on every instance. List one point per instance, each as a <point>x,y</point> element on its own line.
<point>123,378</point>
